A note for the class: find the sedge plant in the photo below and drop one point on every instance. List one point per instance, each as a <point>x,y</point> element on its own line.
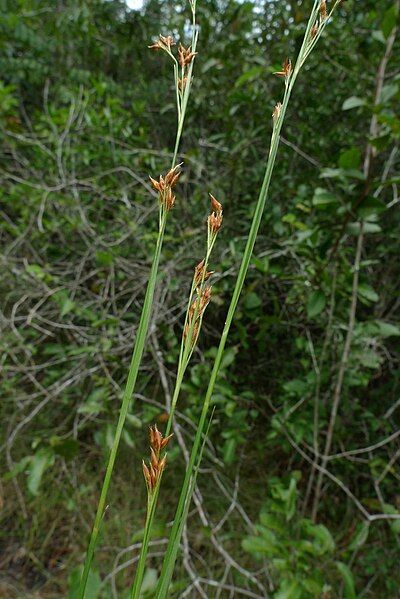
<point>317,22</point>
<point>199,298</point>
<point>183,67</point>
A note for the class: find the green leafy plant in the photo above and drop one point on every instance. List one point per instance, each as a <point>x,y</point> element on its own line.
<point>301,553</point>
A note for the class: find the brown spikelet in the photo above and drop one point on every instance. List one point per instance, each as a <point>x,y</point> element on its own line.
<point>286,69</point>
<point>215,219</point>
<point>185,55</point>
<point>163,43</point>
<point>195,314</point>
<point>164,186</point>
<point>152,473</point>
<point>162,464</point>
<point>215,222</point>
<point>172,177</point>
<point>155,438</point>
<point>205,299</point>
<point>314,31</point>
<point>200,274</point>
<point>153,458</point>
<point>277,111</point>
<point>146,473</point>
<point>322,10</point>
<point>215,205</point>
<point>165,441</point>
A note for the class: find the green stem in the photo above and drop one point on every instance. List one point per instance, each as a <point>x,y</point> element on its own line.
<point>137,583</point>
<point>140,341</point>
<point>174,540</point>
<point>130,385</point>
<point>184,358</point>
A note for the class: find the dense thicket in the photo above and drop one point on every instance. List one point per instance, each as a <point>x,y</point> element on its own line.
<point>86,114</point>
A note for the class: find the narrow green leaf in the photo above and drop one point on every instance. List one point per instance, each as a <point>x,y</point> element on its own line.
<point>349,587</point>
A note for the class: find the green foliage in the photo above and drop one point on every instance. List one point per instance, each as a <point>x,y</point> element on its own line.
<point>300,552</point>
<point>86,114</point>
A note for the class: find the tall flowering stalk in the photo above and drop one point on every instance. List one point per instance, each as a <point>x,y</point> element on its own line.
<point>199,298</point>
<point>316,24</point>
<point>164,186</point>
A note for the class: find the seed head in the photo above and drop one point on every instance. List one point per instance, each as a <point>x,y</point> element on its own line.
<point>214,221</point>
<point>172,177</point>
<point>163,43</point>
<point>314,31</point>
<point>195,314</point>
<point>185,55</point>
<point>286,69</point>
<point>153,458</point>
<point>215,205</point>
<point>152,473</point>
<point>162,464</point>
<point>322,10</point>
<point>205,299</point>
<point>164,186</point>
<point>155,438</point>
<point>200,275</point>
<point>157,441</point>
<point>169,200</point>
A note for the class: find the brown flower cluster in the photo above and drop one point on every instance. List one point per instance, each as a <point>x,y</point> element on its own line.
<point>153,472</point>
<point>214,221</point>
<point>165,185</point>
<point>163,43</point>
<point>200,273</point>
<point>185,55</point>
<point>286,70</point>
<point>322,11</point>
<point>196,312</point>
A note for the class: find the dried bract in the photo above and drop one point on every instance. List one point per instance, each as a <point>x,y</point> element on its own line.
<point>182,85</point>
<point>286,69</point>
<point>314,31</point>
<point>214,221</point>
<point>277,111</point>
<point>322,10</point>
<point>215,205</point>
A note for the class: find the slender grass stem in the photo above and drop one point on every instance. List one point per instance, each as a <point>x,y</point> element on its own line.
<point>140,339</point>
<point>174,540</point>
<point>130,385</point>
<point>184,359</point>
